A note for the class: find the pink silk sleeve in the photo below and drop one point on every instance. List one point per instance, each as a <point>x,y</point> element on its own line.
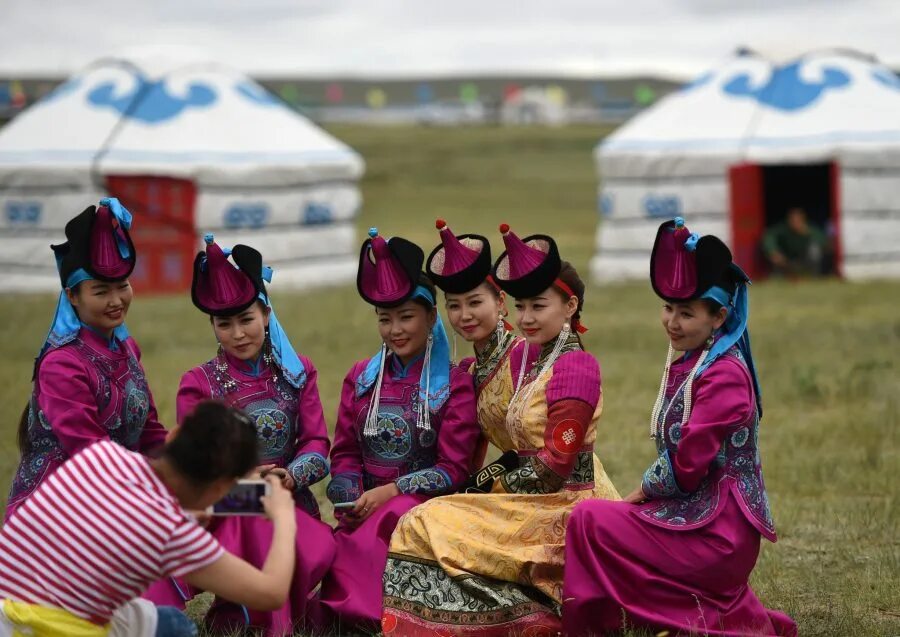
<point>723,397</point>
<point>460,433</point>
<point>346,456</point>
<point>575,375</point>
<point>193,389</point>
<point>66,398</point>
<point>313,436</point>
<point>572,396</point>
<point>573,393</point>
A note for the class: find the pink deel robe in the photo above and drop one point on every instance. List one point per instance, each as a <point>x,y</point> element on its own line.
<point>681,561</point>
<point>87,390</point>
<point>422,463</point>
<point>292,433</point>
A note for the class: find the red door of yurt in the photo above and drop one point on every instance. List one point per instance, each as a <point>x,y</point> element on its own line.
<point>748,217</point>
<point>163,232</point>
<point>760,195</point>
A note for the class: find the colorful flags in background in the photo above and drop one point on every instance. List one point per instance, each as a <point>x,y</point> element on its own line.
<point>12,96</point>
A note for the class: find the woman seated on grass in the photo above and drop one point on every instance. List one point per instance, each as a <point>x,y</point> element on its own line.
<point>109,522</point>
<point>677,554</point>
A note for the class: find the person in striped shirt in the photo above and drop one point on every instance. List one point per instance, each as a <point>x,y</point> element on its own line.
<point>109,522</point>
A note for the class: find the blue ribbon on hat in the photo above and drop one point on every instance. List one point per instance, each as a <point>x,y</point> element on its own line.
<point>438,379</point>
<point>124,218</point>
<point>734,331</point>
<point>66,324</point>
<point>285,354</point>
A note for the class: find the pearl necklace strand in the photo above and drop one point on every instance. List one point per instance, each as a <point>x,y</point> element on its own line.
<point>688,390</point>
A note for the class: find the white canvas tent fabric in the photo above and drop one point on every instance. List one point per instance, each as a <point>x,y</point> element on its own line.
<point>265,175</point>
<point>673,158</point>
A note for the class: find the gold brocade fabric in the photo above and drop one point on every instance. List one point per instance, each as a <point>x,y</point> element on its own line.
<point>489,540</point>
<point>494,392</point>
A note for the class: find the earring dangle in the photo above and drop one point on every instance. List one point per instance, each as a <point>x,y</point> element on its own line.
<point>221,363</point>
<point>268,357</point>
<point>423,421</point>
<point>501,327</point>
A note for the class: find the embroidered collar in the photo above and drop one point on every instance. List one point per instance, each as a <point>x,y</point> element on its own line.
<point>494,352</point>
<point>255,368</point>
<point>110,343</point>
<point>399,370</point>
<point>573,343</point>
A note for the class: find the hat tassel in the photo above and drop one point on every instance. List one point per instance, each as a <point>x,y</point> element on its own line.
<point>423,421</point>
<point>371,427</point>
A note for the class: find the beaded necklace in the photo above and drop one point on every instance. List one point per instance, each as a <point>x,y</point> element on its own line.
<point>687,385</point>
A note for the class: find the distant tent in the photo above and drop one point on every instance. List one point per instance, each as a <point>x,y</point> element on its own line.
<point>732,151</point>
<point>189,148</point>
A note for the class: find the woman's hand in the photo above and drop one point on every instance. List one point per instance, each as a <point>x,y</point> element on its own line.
<point>200,516</point>
<point>635,497</point>
<point>287,481</point>
<point>260,472</point>
<point>369,502</point>
<point>279,504</point>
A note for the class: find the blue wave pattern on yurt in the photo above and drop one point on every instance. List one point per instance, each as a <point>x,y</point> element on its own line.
<point>256,94</point>
<point>887,78</point>
<point>786,90</point>
<point>701,80</point>
<point>156,104</point>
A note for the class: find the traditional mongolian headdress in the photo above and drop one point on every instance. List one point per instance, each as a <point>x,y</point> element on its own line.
<point>460,263</point>
<point>223,287</point>
<point>388,276</point>
<point>98,246</point>
<point>527,268</point>
<point>685,266</point>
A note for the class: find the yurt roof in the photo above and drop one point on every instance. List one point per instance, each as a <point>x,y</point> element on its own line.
<point>154,113</point>
<point>817,107</point>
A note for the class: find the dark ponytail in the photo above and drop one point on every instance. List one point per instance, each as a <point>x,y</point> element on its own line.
<point>22,435</point>
<point>569,276</point>
<point>215,441</point>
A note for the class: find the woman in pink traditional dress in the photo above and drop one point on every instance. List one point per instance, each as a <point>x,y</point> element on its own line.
<point>677,553</point>
<point>406,430</point>
<point>257,370</point>
<point>89,384</point>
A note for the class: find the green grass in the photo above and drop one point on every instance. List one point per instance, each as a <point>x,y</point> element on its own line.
<point>827,354</point>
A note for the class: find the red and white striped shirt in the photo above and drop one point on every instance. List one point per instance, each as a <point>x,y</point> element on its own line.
<point>96,534</point>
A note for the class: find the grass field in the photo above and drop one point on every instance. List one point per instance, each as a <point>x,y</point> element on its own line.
<point>827,354</point>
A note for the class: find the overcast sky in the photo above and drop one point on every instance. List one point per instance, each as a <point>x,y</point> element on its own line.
<point>414,37</point>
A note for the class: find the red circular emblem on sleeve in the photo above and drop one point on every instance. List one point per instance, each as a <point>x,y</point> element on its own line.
<point>388,623</point>
<point>568,436</point>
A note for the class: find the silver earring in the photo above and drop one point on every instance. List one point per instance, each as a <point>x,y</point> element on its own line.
<point>501,327</point>
<point>221,363</point>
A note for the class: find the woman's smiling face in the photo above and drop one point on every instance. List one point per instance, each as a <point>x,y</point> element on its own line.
<point>541,318</point>
<point>474,314</point>
<point>689,324</point>
<point>100,304</point>
<point>404,329</point>
<point>243,335</point>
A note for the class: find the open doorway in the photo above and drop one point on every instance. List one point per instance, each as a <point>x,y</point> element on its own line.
<point>807,187</point>
<point>760,197</point>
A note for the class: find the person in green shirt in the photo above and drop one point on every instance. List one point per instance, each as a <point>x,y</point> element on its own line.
<point>795,247</point>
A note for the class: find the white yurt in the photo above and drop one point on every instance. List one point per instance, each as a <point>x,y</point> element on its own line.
<point>189,148</point>
<point>734,150</point>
